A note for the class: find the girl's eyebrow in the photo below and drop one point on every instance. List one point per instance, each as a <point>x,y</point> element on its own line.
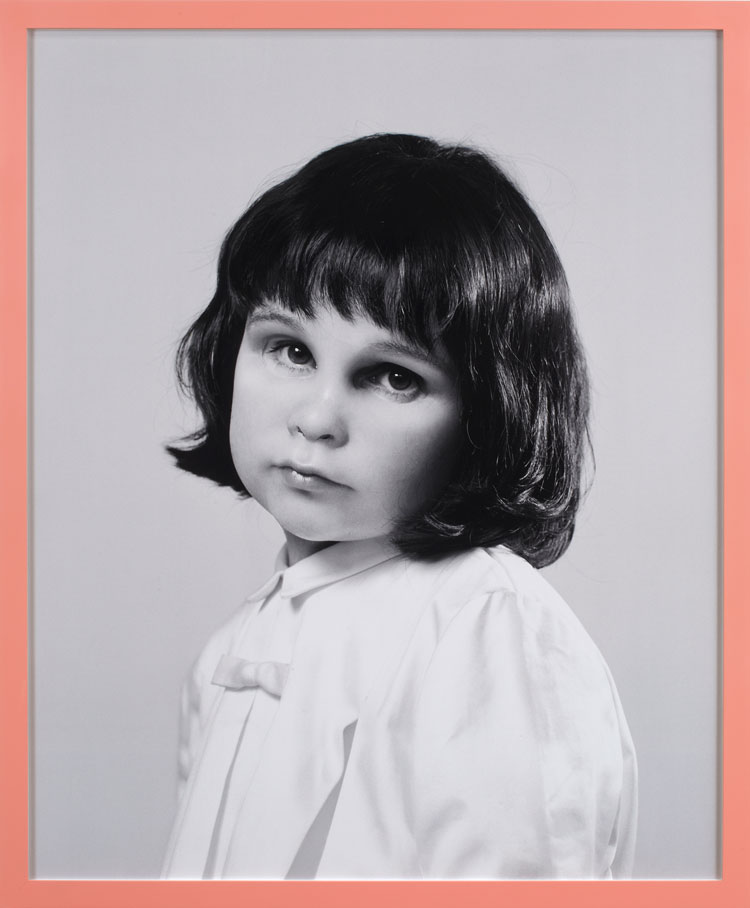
<point>404,348</point>
<point>274,314</point>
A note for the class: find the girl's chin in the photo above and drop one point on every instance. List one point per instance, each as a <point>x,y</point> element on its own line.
<point>311,522</point>
<point>319,536</point>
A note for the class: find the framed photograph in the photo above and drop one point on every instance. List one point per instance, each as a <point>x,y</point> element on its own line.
<point>136,134</point>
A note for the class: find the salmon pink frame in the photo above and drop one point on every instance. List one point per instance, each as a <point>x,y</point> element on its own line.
<point>17,17</point>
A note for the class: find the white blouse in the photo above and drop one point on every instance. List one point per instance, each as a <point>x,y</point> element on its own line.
<point>364,715</point>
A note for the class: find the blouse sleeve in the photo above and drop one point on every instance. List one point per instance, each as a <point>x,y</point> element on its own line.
<point>197,698</point>
<point>524,767</point>
<point>189,728</point>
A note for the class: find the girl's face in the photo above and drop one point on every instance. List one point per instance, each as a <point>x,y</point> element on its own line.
<point>340,427</point>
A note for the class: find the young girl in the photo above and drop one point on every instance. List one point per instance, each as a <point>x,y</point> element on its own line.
<point>390,367</point>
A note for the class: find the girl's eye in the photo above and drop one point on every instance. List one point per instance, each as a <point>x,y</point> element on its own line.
<point>291,355</point>
<point>400,380</point>
<point>397,382</point>
<point>298,354</point>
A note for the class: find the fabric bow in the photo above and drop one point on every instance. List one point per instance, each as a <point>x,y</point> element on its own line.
<point>236,674</point>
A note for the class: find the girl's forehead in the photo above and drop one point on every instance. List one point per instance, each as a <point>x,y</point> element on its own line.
<point>314,310</point>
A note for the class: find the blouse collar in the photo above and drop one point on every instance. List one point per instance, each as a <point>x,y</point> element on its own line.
<point>329,565</point>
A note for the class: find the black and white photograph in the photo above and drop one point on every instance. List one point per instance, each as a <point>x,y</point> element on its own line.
<point>375,432</point>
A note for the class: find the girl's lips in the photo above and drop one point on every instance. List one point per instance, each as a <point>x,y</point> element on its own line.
<point>298,478</point>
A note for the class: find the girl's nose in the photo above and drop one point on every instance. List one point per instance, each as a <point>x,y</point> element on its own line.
<point>320,417</point>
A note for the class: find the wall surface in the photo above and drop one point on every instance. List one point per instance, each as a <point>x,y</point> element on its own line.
<point>145,148</point>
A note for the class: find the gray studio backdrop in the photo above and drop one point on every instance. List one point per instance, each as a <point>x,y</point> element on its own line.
<point>145,146</point>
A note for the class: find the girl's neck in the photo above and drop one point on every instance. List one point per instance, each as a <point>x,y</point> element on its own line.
<point>297,548</point>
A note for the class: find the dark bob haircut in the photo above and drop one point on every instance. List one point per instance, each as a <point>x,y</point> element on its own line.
<point>435,243</point>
